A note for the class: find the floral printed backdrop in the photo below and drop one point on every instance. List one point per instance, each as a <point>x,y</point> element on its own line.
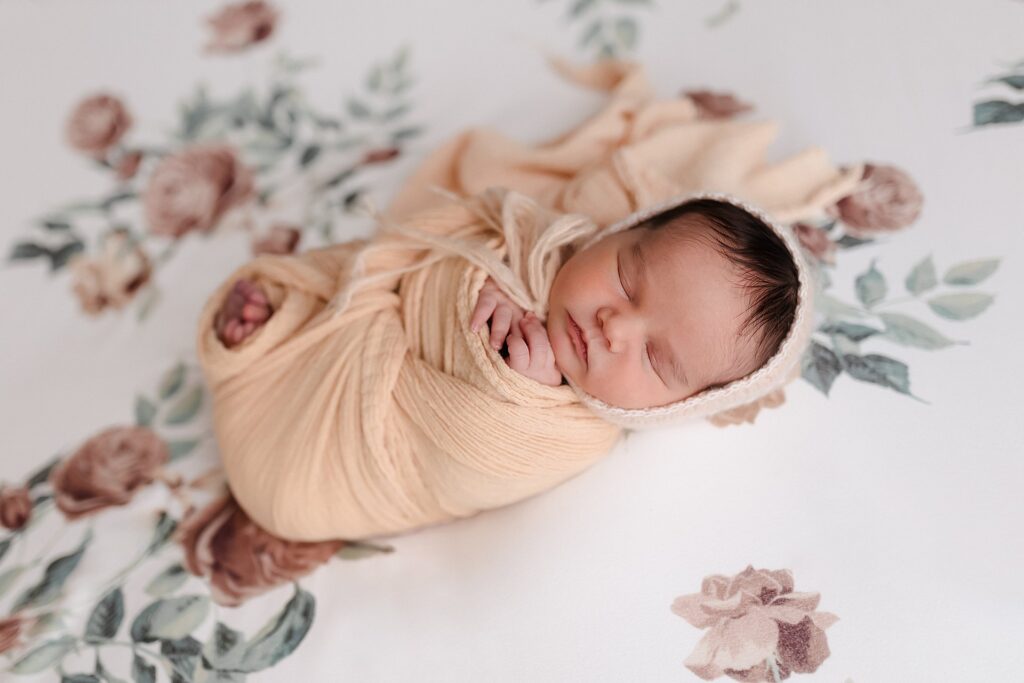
<point>166,145</point>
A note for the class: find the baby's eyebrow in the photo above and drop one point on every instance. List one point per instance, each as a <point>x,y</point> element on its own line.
<point>669,359</point>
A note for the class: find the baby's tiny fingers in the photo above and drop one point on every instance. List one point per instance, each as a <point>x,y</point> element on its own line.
<point>518,353</point>
<point>484,307</point>
<point>536,337</point>
<point>500,325</point>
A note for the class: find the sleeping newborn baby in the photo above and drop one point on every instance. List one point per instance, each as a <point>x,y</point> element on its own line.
<point>688,300</point>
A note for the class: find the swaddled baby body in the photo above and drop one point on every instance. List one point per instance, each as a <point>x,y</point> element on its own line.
<point>691,299</point>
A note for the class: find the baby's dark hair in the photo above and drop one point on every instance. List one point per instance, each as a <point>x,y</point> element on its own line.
<point>769,271</point>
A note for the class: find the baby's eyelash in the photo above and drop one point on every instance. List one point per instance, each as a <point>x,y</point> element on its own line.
<point>618,264</point>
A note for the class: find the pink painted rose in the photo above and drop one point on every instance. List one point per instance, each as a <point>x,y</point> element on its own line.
<point>10,631</point>
<point>282,239</point>
<point>239,558</point>
<point>748,411</point>
<point>192,189</point>
<point>816,242</point>
<point>97,123</point>
<point>887,199</point>
<point>376,156</point>
<point>757,623</point>
<point>107,470</point>
<point>113,277</point>
<point>15,507</point>
<point>128,165</point>
<point>717,105</point>
<point>239,25</point>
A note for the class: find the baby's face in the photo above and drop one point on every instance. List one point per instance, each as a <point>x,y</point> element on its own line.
<point>677,299</point>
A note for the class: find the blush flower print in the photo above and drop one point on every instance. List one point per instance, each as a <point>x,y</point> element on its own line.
<point>887,199</point>
<point>761,630</point>
<point>238,558</point>
<point>237,26</point>
<point>193,188</point>
<point>97,123</point>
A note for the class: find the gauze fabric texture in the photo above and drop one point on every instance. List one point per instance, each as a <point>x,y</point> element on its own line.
<point>365,405</point>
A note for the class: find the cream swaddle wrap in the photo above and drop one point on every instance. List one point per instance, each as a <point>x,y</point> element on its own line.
<point>365,406</point>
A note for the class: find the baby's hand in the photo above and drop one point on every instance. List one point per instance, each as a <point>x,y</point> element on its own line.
<point>506,313</point>
<point>533,355</point>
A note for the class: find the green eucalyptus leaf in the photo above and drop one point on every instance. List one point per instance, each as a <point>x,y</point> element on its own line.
<point>142,671</point>
<point>183,654</point>
<point>921,277</point>
<point>181,448</point>
<point>820,366</point>
<point>970,272</point>
<point>224,648</point>
<point>9,576</point>
<point>877,369</point>
<point>27,250</point>
<point>170,618</point>
<point>580,6</point>
<point>834,308</point>
<point>42,474</point>
<point>909,331</point>
<point>46,655</point>
<point>870,286</point>
<point>57,572</point>
<point>357,550</point>
<point>281,635</point>
<point>186,407</point>
<point>591,34</point>
<point>626,30</point>
<point>960,306</point>
<point>853,331</point>
<point>309,155</point>
<point>171,381</point>
<point>105,618</point>
<point>989,112</point>
<point>145,411</point>
<point>165,526</point>
<point>167,581</point>
<point>358,109</point>
<point>1015,81</point>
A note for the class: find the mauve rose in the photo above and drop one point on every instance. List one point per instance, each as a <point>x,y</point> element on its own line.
<point>755,616</point>
<point>887,199</point>
<point>192,189</point>
<point>128,165</point>
<point>240,559</point>
<point>107,470</point>
<point>282,240</point>
<point>376,156</point>
<point>113,278</point>
<point>10,632</point>
<point>15,507</point>
<point>817,242</point>
<point>717,105</point>
<point>748,411</point>
<point>96,123</point>
<point>240,25</point>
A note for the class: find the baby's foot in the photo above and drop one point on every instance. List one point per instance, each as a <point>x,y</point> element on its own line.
<point>245,310</point>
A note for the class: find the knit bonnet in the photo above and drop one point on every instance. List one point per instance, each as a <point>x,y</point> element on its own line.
<point>774,373</point>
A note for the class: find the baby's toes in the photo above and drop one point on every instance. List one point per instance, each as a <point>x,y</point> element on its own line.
<point>255,313</point>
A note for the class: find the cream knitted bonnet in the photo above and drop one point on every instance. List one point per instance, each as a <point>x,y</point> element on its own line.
<point>776,372</point>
